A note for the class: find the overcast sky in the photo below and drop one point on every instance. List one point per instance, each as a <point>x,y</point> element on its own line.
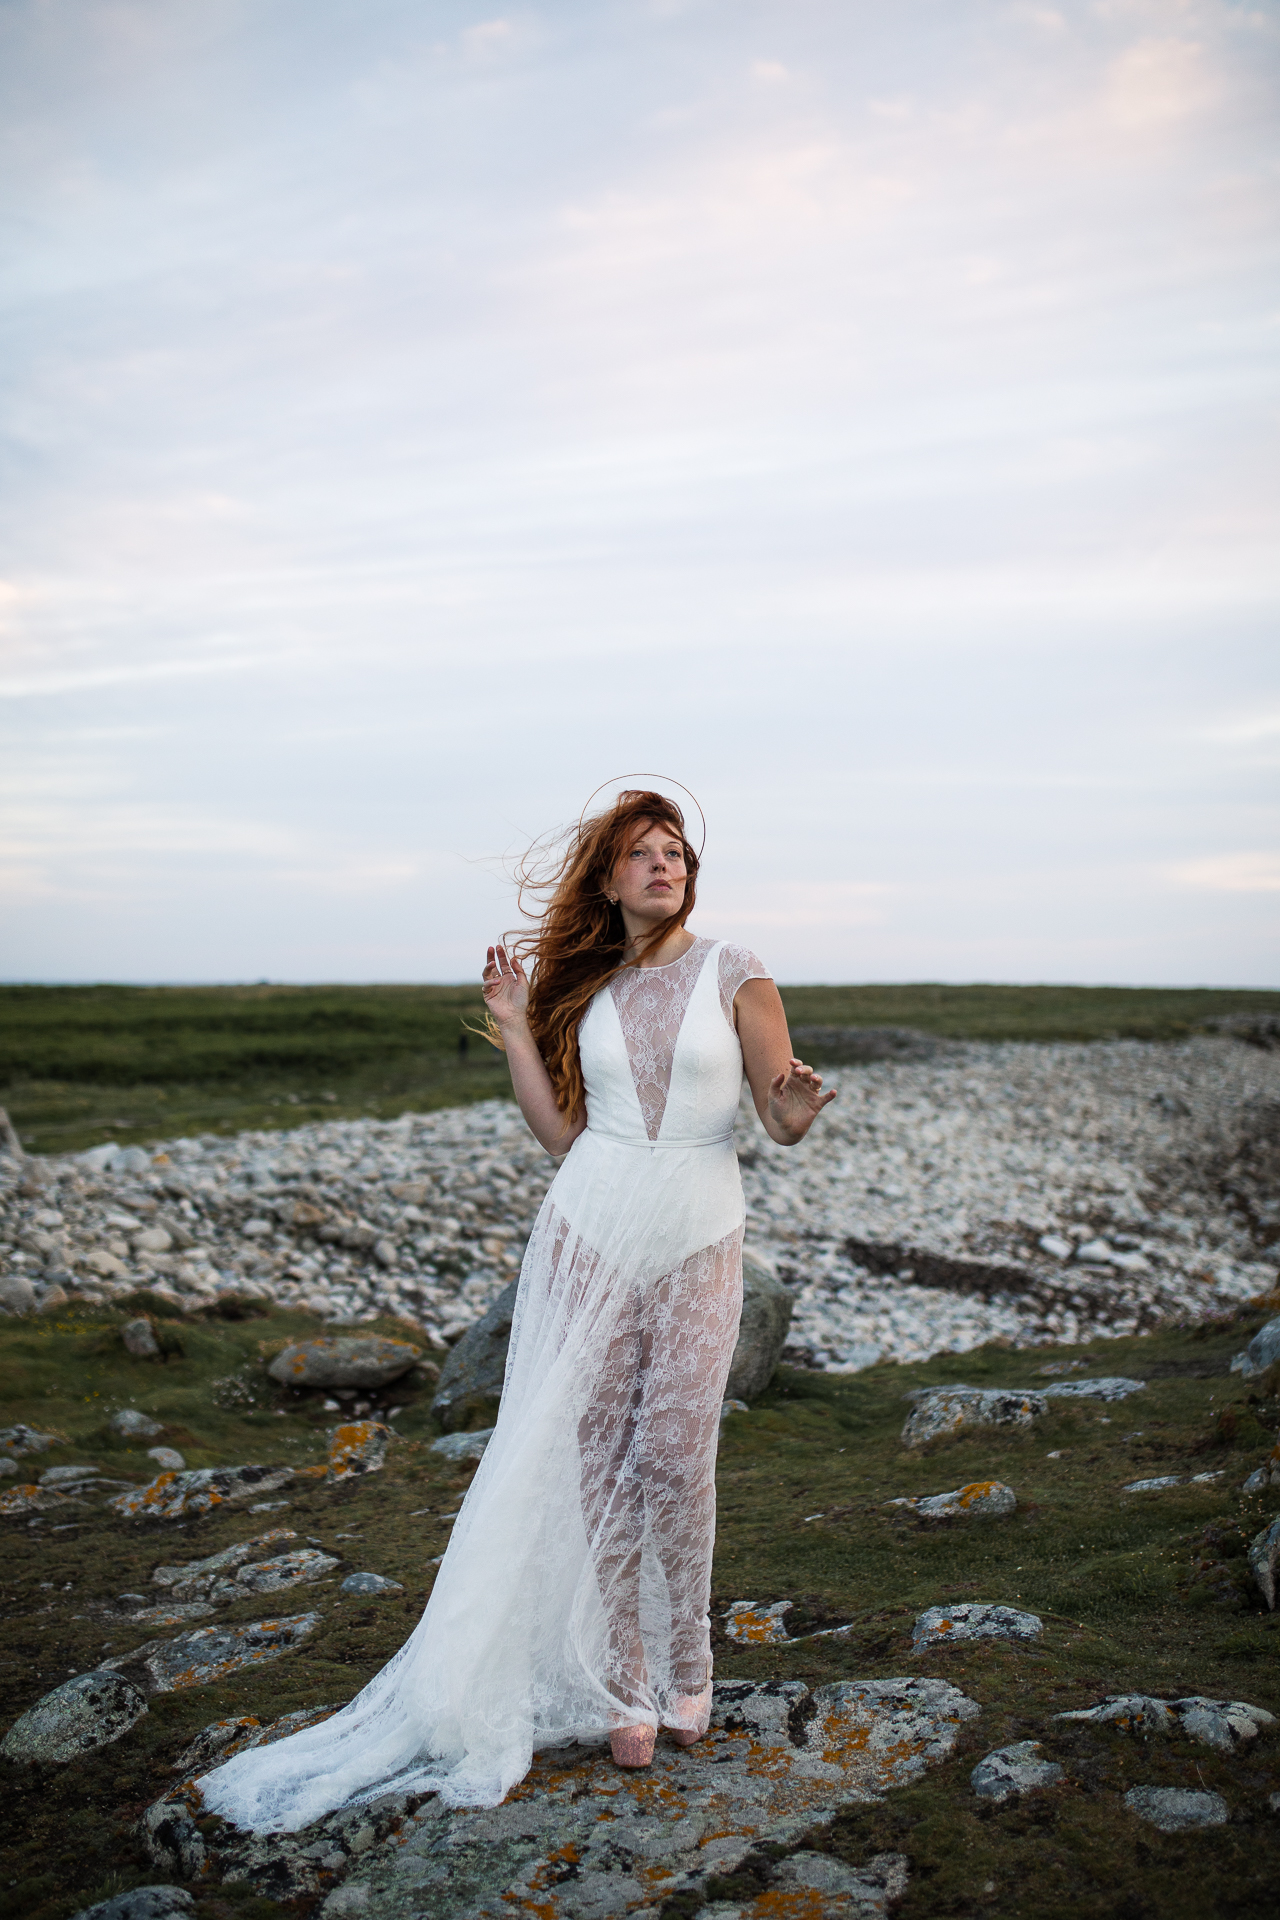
<point>864,413</point>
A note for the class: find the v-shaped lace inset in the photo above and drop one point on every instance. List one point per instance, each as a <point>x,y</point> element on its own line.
<point>651,1004</point>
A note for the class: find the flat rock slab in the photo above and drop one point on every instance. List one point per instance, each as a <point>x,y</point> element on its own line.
<point>370,1583</point>
<point>174,1496</point>
<point>200,1576</point>
<point>210,1653</point>
<point>1225,1724</point>
<point>1019,1768</point>
<point>941,1411</point>
<point>973,1620</point>
<point>224,1738</point>
<point>979,1500</point>
<point>295,1569</point>
<point>142,1903</point>
<point>1105,1387</point>
<point>579,1839</point>
<point>78,1717</point>
<point>1177,1809</point>
<point>370,1361</point>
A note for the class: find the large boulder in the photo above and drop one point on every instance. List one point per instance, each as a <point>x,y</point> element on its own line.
<point>470,1384</point>
<point>762,1332</point>
<point>1262,1352</point>
<point>76,1718</point>
<point>368,1361</point>
<point>471,1379</point>
<point>1264,1559</point>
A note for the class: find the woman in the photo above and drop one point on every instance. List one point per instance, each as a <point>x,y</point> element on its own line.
<point>573,1599</point>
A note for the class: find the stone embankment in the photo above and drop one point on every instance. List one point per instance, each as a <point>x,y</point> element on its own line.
<point>1033,1193</point>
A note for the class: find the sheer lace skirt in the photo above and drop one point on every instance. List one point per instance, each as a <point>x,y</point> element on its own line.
<point>576,1586</point>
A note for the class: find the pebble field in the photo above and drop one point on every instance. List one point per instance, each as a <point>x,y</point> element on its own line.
<point>1030,1193</point>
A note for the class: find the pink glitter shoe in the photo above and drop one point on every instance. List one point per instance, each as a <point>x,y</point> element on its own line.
<point>633,1746</point>
<point>695,1710</point>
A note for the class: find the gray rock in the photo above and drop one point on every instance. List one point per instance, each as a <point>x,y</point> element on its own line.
<point>172,1496</point>
<point>762,1331</point>
<point>470,1383</point>
<point>1105,1387</point>
<point>981,1498</point>
<point>367,1361</point>
<point>1225,1724</point>
<point>211,1653</point>
<point>17,1295</point>
<point>973,1620</point>
<point>1262,1352</point>
<point>297,1569</point>
<point>1176,1809</point>
<point>199,1576</point>
<point>1015,1769</point>
<point>1157,1485</point>
<point>69,1476</point>
<point>867,1889</point>
<point>224,1738</point>
<point>370,1583</point>
<point>78,1717</point>
<point>142,1903</point>
<point>777,1763</point>
<point>15,1441</point>
<point>131,1424</point>
<point>463,1446</point>
<point>752,1625</point>
<point>139,1338</point>
<point>942,1411</point>
<point>168,1459</point>
<point>8,1467</point>
<point>1263,1555</point>
<point>1267,1475</point>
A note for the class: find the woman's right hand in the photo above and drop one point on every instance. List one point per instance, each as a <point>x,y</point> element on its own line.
<point>506,987</point>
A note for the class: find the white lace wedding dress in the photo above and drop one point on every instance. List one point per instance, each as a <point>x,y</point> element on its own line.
<point>576,1585</point>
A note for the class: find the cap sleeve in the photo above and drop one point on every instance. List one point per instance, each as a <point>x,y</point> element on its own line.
<point>737,966</point>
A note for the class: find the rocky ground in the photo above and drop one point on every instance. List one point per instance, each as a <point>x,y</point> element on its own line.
<point>1000,1648</point>
<point>1033,1193</point>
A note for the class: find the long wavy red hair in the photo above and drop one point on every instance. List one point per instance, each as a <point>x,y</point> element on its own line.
<point>580,939</point>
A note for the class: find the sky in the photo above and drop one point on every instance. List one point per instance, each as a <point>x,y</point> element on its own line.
<point>413,416</point>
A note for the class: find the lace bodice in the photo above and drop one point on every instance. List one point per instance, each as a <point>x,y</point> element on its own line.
<point>651,1004</point>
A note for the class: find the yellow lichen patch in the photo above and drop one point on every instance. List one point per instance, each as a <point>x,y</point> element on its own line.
<point>789,1903</point>
<point>19,1499</point>
<point>976,1490</point>
<point>358,1447</point>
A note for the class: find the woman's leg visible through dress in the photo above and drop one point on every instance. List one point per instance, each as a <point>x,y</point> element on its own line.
<point>692,1327</point>
<point>613,1508</point>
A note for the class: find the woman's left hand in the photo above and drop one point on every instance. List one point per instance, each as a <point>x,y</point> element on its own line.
<point>796,1099</point>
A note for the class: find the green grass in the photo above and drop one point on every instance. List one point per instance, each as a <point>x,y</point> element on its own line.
<point>1138,1594</point>
<point>80,1065</point>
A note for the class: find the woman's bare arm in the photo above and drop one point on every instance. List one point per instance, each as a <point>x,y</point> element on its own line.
<point>506,992</point>
<point>788,1095</point>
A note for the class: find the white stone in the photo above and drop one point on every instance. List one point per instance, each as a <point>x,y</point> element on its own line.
<point>973,1620</point>
<point>1015,1769</point>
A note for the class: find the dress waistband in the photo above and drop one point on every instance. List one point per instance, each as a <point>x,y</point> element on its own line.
<point>628,1140</point>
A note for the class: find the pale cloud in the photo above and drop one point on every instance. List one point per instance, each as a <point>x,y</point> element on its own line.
<point>1232,873</point>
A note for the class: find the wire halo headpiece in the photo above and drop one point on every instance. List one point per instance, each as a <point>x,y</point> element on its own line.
<point>622,777</point>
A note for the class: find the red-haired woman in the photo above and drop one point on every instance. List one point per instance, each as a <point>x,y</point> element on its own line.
<point>572,1602</point>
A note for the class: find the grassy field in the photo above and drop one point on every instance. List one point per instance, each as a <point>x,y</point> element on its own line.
<point>80,1065</point>
<point>1138,1593</point>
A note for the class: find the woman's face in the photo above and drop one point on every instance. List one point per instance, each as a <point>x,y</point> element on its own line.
<point>650,878</point>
